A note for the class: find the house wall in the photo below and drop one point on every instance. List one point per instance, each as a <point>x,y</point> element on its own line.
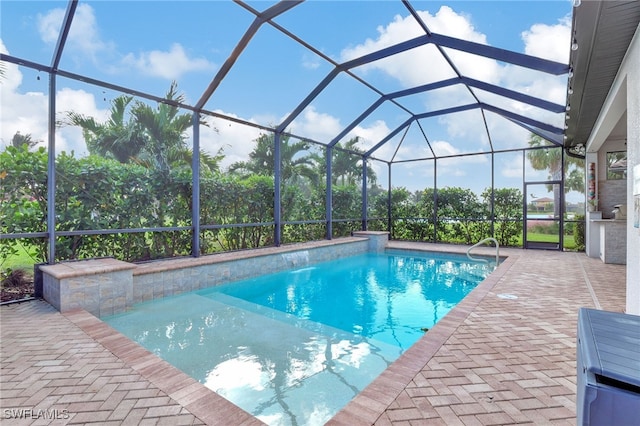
<point>624,96</point>
<point>631,69</point>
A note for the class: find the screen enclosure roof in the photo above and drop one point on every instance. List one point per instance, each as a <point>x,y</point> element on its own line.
<point>408,80</point>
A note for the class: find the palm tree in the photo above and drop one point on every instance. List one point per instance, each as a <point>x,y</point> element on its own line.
<point>164,130</point>
<point>120,137</point>
<point>347,166</point>
<point>260,159</point>
<point>18,140</point>
<point>545,159</point>
<point>136,132</point>
<point>551,159</point>
<point>294,163</point>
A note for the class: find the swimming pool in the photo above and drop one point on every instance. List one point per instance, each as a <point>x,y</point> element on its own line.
<point>294,347</point>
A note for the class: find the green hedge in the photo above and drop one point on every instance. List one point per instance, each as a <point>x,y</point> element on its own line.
<point>96,193</point>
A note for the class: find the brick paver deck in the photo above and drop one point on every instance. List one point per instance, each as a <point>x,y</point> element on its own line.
<point>491,360</point>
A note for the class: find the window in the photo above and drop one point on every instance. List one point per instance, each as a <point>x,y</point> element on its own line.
<point>616,165</point>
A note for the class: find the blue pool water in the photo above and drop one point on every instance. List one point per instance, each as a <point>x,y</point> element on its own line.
<point>296,346</point>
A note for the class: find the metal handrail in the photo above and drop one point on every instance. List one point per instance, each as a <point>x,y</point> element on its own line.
<point>481,259</point>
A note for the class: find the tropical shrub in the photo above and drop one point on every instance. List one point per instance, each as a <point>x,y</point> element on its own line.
<point>226,200</point>
<point>462,217</point>
<point>23,195</point>
<point>507,211</point>
<point>120,199</point>
<point>578,232</point>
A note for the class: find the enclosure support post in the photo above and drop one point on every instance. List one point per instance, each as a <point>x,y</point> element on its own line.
<point>277,203</point>
<point>329,197</point>
<point>493,195</point>
<point>524,200</point>
<point>364,194</point>
<point>195,194</point>
<point>389,223</point>
<point>562,200</point>
<point>435,200</point>
<point>51,157</point>
<point>51,170</point>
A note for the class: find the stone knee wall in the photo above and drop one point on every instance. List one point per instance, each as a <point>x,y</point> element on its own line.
<point>108,286</point>
<point>167,278</point>
<point>99,286</point>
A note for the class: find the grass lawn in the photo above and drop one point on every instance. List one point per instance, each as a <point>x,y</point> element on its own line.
<point>543,238</point>
<point>24,259</point>
<point>569,241</point>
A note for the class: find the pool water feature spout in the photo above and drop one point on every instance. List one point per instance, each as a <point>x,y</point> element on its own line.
<point>296,258</point>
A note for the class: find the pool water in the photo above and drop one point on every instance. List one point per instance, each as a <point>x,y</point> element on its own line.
<point>293,348</point>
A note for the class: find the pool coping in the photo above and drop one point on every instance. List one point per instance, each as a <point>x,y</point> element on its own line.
<point>364,409</point>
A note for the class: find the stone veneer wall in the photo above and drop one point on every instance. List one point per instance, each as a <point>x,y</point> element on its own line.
<point>613,241</point>
<point>610,193</point>
<point>108,286</point>
<point>377,239</point>
<point>158,281</point>
<point>100,286</point>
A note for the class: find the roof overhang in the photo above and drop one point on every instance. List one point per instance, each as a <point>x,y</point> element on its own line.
<point>602,32</point>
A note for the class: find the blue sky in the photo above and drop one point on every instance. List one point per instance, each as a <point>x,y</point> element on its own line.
<point>145,45</point>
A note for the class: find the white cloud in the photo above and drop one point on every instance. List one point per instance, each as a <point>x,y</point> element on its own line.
<point>12,77</point>
<point>444,148</point>
<point>80,100</point>
<point>170,65</point>
<point>310,61</point>
<point>84,38</point>
<point>29,111</point>
<point>27,116</point>
<point>236,140</point>
<point>369,136</point>
<point>70,138</point>
<point>511,169</point>
<point>321,127</point>
<point>84,41</point>
<point>49,25</point>
<point>404,66</point>
<point>549,41</point>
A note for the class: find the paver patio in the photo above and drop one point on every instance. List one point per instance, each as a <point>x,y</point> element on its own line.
<point>491,360</point>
